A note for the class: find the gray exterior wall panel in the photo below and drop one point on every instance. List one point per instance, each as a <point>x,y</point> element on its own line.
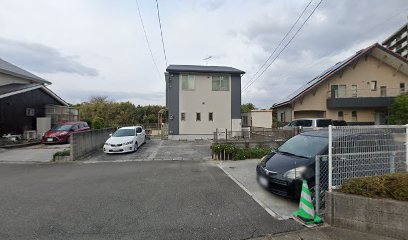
<point>172,101</point>
<point>235,97</point>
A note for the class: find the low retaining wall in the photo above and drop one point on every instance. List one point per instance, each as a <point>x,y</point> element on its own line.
<point>379,216</point>
<point>85,143</point>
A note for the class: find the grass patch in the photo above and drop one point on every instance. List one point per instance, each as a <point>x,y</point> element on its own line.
<point>393,186</point>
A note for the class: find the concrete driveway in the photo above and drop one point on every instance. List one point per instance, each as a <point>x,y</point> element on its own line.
<point>34,153</point>
<point>157,149</point>
<point>243,172</point>
<point>129,200</point>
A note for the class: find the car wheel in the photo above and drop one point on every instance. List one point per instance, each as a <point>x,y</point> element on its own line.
<point>136,146</point>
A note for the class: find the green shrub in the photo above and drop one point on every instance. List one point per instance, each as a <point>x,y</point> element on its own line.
<point>97,123</point>
<point>394,186</point>
<point>241,153</point>
<point>66,152</point>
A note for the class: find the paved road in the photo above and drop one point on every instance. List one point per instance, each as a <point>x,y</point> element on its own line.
<point>156,149</point>
<point>128,200</point>
<point>244,172</point>
<point>34,153</point>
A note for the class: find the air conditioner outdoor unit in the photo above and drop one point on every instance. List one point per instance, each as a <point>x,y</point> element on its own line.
<point>29,135</point>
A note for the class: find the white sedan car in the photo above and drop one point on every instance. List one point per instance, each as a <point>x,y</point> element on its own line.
<point>125,139</point>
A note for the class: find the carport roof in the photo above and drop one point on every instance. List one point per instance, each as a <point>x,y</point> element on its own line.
<point>203,69</point>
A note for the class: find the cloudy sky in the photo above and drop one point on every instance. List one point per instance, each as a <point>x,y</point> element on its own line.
<point>97,47</point>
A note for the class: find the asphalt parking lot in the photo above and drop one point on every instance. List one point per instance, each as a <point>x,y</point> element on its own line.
<point>243,172</point>
<point>157,149</point>
<point>34,153</point>
<point>129,200</point>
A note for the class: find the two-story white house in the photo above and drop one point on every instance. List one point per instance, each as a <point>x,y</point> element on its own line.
<point>202,99</point>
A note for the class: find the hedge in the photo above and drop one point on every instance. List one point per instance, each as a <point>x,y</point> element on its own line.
<point>63,153</point>
<point>241,153</point>
<point>394,186</point>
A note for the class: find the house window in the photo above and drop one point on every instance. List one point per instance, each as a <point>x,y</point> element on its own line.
<point>354,116</point>
<point>211,116</point>
<point>220,83</point>
<point>338,91</point>
<point>198,116</point>
<point>187,82</point>
<point>353,90</point>
<point>30,112</point>
<point>283,118</point>
<point>245,120</point>
<point>183,116</point>
<point>383,90</point>
<point>340,115</point>
<point>402,87</point>
<point>373,85</point>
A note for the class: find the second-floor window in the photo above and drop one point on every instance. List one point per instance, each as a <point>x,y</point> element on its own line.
<point>220,83</point>
<point>198,116</point>
<point>402,87</point>
<point>338,91</point>
<point>187,82</point>
<point>183,116</point>
<point>353,90</point>
<point>210,116</point>
<point>373,85</point>
<point>383,91</point>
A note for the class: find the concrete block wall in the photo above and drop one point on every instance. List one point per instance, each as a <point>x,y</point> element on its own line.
<point>85,143</point>
<point>379,216</point>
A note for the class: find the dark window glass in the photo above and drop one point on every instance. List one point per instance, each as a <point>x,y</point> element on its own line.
<point>124,132</point>
<point>323,123</point>
<point>305,146</point>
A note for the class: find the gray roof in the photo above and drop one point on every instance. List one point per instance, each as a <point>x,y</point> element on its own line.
<point>324,75</point>
<point>8,68</point>
<point>203,69</point>
<point>14,87</point>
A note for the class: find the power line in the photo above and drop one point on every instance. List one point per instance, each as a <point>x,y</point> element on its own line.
<point>290,40</point>
<point>280,43</point>
<point>161,32</point>
<point>147,39</point>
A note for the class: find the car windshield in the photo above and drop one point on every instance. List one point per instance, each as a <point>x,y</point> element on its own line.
<point>304,145</point>
<point>66,127</point>
<point>124,132</point>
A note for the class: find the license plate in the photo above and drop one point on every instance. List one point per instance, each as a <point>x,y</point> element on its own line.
<point>263,181</point>
<point>116,150</point>
<point>50,139</point>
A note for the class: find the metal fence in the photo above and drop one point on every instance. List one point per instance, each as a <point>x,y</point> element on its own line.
<point>254,134</point>
<point>358,151</point>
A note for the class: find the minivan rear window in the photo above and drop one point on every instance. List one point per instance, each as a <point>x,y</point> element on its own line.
<point>323,122</point>
<point>305,123</point>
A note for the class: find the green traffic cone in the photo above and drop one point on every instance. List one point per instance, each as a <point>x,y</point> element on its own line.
<point>306,211</point>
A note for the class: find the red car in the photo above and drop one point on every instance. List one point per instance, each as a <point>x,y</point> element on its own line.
<point>62,133</point>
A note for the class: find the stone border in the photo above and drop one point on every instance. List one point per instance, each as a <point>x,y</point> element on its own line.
<point>385,217</point>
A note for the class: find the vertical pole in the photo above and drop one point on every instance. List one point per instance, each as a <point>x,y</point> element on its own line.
<point>406,147</point>
<point>317,184</point>
<point>226,134</point>
<point>330,157</point>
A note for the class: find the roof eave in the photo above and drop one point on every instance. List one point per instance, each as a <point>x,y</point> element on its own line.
<point>39,80</point>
